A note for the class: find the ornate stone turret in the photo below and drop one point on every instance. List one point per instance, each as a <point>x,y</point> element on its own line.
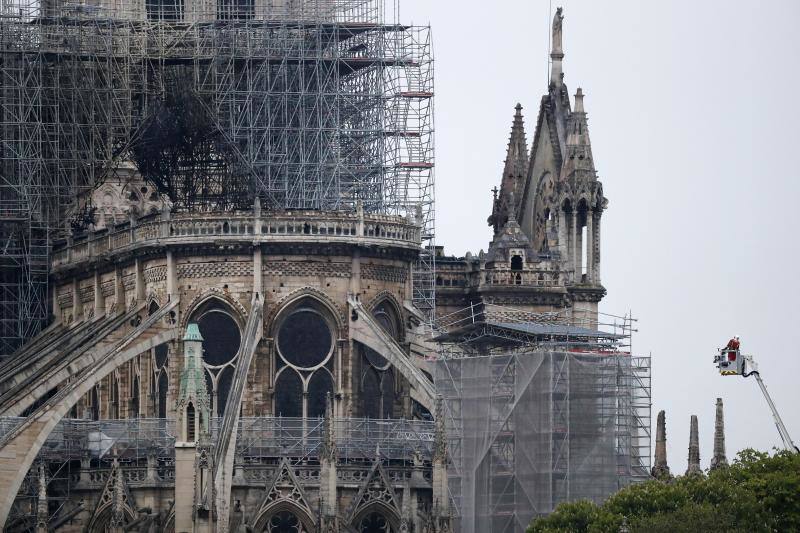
<point>194,406</point>
<point>579,163</point>
<point>694,449</point>
<point>660,468</point>
<point>193,478</point>
<point>718,460</point>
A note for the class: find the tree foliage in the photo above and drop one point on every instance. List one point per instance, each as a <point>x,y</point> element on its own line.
<point>757,493</point>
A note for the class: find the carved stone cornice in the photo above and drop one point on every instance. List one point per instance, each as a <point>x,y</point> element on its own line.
<point>587,293</point>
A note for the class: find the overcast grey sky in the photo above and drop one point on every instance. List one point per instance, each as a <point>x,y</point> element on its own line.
<point>694,124</point>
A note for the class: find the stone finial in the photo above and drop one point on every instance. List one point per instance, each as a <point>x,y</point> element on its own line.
<point>694,449</point>
<point>718,460</point>
<point>660,468</point>
<point>579,101</point>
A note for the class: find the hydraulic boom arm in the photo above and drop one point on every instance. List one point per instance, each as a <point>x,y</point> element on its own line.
<point>751,369</point>
<point>732,363</point>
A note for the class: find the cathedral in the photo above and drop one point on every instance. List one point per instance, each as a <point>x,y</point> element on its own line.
<point>247,334</point>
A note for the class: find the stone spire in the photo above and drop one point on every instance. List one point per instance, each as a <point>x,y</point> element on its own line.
<point>514,175</point>
<point>694,449</point>
<point>579,162</point>
<point>557,49</point>
<point>719,460</point>
<point>660,467</point>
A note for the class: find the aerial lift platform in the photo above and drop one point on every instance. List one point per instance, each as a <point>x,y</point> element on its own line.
<point>731,362</point>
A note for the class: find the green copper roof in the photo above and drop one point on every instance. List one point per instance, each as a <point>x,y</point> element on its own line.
<point>193,333</point>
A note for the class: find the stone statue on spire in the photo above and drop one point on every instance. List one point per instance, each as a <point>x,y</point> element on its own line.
<point>557,30</point>
<point>557,52</point>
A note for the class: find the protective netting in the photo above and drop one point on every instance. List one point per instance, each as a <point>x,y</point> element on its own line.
<point>530,429</point>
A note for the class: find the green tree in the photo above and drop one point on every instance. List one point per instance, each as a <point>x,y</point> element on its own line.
<point>757,493</point>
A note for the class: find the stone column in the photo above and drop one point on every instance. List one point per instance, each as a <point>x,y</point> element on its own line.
<point>694,449</point>
<point>119,291</point>
<point>574,246</point>
<point>99,299</point>
<point>327,482</point>
<point>719,460</point>
<point>660,468</point>
<point>578,251</point>
<point>597,247</point>
<point>139,291</point>
<point>77,311</point>
<point>590,246</point>
<point>172,276</point>
<point>258,276</point>
<point>563,245</point>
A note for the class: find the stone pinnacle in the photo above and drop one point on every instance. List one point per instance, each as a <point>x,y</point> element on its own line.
<point>660,467</point>
<point>694,449</point>
<point>719,460</point>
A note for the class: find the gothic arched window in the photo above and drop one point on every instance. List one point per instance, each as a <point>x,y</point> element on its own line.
<point>222,338</point>
<point>377,374</point>
<point>284,522</point>
<point>304,360</point>
<point>94,404</point>
<point>190,433</point>
<point>159,381</point>
<point>135,398</point>
<point>113,411</point>
<point>374,523</point>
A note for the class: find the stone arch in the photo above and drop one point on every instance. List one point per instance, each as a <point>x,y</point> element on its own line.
<point>19,448</point>
<point>103,516</point>
<point>276,507</point>
<point>388,512</point>
<point>239,312</point>
<point>284,304</point>
<point>153,303</point>
<point>386,297</point>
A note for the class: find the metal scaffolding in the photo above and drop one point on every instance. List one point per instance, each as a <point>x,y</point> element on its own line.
<point>79,455</point>
<point>308,104</point>
<point>539,413</point>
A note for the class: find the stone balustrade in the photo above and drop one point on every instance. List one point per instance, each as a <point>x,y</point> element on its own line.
<point>305,226</point>
<point>527,278</point>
